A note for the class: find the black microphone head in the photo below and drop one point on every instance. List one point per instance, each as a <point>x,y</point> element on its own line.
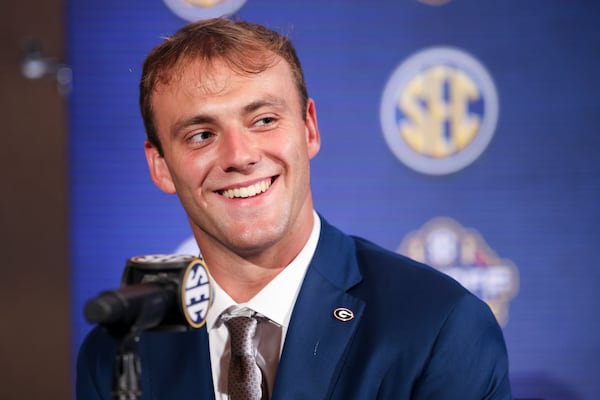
<point>98,310</point>
<point>193,290</point>
<point>124,306</point>
<point>149,267</point>
<point>168,292</point>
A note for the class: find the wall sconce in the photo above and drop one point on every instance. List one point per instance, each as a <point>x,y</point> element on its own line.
<point>36,66</point>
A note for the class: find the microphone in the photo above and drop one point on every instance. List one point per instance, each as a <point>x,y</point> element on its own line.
<point>160,292</point>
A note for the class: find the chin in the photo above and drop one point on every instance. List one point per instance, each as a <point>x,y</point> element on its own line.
<point>255,239</point>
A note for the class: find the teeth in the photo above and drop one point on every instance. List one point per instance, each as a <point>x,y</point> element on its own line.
<point>248,191</point>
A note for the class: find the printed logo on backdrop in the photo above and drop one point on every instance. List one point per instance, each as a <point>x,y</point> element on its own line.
<point>464,255</point>
<point>188,246</point>
<point>434,2</point>
<point>195,10</point>
<point>439,110</point>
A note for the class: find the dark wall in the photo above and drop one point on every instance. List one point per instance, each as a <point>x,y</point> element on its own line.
<point>35,352</point>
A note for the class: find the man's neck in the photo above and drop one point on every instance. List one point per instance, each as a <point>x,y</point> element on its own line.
<point>243,276</point>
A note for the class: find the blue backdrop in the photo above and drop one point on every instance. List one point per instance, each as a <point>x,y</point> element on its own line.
<point>525,205</point>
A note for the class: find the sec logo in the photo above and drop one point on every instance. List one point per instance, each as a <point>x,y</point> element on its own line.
<point>196,293</point>
<point>439,110</point>
<point>195,10</point>
<point>434,2</point>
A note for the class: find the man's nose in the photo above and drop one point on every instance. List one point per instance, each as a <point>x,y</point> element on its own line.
<point>239,150</point>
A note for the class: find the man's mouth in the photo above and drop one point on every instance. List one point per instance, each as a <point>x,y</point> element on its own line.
<point>248,191</point>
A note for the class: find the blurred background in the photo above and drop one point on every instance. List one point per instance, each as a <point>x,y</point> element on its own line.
<point>459,132</point>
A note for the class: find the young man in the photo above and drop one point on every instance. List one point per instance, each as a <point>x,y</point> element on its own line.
<point>231,131</point>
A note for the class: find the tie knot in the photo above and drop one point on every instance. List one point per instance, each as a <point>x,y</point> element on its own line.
<point>241,331</point>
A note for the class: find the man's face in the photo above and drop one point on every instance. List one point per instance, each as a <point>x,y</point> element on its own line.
<point>237,151</point>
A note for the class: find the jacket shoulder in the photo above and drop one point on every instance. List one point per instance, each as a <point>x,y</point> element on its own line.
<point>381,265</point>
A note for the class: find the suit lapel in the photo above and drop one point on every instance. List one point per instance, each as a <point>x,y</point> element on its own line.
<point>316,340</point>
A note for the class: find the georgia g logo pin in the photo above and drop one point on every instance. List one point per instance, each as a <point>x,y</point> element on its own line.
<point>343,314</point>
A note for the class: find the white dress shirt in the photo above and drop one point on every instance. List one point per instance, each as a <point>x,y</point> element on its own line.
<point>275,301</point>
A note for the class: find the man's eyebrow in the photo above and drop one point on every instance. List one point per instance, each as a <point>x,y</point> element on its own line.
<point>266,102</point>
<point>194,120</point>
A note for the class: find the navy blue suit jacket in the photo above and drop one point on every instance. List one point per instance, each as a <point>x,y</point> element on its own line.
<point>416,334</point>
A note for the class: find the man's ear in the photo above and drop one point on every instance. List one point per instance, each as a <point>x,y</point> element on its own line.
<point>159,171</point>
<point>313,137</point>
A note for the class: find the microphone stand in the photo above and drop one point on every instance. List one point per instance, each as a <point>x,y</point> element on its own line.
<point>127,368</point>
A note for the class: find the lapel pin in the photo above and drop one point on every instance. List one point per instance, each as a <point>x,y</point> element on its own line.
<point>343,314</point>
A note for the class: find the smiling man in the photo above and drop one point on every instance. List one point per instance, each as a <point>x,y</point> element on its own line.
<point>231,131</point>
<point>236,150</point>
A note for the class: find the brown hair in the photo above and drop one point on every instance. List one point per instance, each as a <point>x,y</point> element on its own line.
<point>243,46</point>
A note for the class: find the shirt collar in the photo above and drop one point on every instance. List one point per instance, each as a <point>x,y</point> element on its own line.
<point>276,300</point>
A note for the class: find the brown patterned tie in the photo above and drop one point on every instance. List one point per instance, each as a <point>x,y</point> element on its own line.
<point>245,377</point>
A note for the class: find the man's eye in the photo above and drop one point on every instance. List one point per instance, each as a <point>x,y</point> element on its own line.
<point>200,136</point>
<point>265,121</point>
